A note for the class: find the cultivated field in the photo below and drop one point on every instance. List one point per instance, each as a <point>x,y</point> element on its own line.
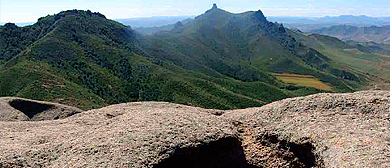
<point>303,80</point>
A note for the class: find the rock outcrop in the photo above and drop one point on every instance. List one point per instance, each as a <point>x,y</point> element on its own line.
<point>214,6</point>
<point>19,109</point>
<point>322,130</point>
<point>341,130</point>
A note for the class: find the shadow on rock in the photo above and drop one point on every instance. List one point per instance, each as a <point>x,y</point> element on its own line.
<point>224,153</point>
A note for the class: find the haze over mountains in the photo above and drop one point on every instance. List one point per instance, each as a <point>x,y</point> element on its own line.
<point>301,23</point>
<point>345,27</point>
<point>309,24</point>
<point>156,21</point>
<point>360,34</point>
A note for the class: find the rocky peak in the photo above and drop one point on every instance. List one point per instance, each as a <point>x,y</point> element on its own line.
<point>214,6</point>
<point>215,9</point>
<point>259,16</point>
<point>178,27</point>
<point>85,14</point>
<point>178,24</point>
<point>10,25</point>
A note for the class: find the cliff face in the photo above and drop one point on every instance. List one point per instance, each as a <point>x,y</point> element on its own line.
<point>322,130</point>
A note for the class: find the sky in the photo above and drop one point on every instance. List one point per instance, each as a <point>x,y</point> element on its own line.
<point>18,11</point>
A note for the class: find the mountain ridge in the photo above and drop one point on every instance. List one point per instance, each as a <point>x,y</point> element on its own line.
<point>246,26</point>
<point>82,59</point>
<point>360,34</point>
<point>308,24</point>
<point>224,65</point>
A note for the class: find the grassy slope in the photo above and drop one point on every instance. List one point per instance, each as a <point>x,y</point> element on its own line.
<point>92,62</point>
<point>243,46</point>
<point>82,59</point>
<point>361,34</point>
<point>35,80</point>
<point>368,65</point>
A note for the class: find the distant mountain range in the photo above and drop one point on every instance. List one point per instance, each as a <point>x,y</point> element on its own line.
<point>310,23</point>
<point>141,22</point>
<point>156,21</point>
<point>155,24</point>
<point>216,60</point>
<point>151,24</point>
<point>360,34</point>
<point>21,24</point>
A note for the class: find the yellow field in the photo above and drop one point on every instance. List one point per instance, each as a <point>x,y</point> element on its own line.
<point>303,80</point>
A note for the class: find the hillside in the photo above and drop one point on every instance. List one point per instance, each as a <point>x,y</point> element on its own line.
<point>82,59</point>
<point>360,34</point>
<point>244,46</point>
<point>368,59</point>
<point>322,130</point>
<point>371,47</point>
<point>217,60</point>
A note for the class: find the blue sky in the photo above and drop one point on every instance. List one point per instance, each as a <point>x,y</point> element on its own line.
<point>31,10</point>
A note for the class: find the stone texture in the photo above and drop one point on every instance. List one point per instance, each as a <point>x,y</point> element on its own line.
<point>322,130</point>
<point>19,109</point>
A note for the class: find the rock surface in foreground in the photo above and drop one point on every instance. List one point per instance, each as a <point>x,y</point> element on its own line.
<point>323,130</point>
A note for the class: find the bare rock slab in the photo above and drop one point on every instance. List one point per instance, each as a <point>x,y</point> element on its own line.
<point>322,130</point>
<point>19,109</point>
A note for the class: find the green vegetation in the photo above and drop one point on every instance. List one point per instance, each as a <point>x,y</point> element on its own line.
<point>371,66</point>
<point>34,80</point>
<point>218,60</point>
<point>378,34</point>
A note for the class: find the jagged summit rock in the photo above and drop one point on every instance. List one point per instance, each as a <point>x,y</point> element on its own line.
<point>178,24</point>
<point>10,25</point>
<point>83,13</point>
<point>260,16</point>
<point>322,130</point>
<point>178,27</point>
<point>214,6</point>
<point>215,9</point>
